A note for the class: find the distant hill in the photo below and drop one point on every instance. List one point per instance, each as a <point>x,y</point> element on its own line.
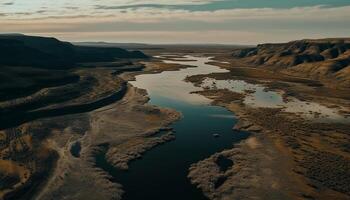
<point>45,52</point>
<point>108,44</point>
<point>323,59</point>
<point>11,34</point>
<point>156,46</point>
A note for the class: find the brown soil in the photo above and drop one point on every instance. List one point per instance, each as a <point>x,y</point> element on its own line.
<point>287,157</point>
<point>35,155</point>
<point>117,125</point>
<point>326,60</point>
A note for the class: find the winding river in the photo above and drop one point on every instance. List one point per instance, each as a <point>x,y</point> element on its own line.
<point>162,172</point>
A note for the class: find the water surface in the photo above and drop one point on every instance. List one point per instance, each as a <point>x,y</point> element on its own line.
<point>162,172</point>
<point>259,96</point>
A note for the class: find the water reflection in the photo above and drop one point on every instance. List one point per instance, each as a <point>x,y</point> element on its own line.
<point>162,171</point>
<point>170,84</point>
<point>258,96</point>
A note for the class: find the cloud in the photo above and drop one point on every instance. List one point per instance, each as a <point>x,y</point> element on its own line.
<point>157,4</point>
<point>8,4</point>
<point>222,4</point>
<point>169,2</point>
<point>255,23</point>
<point>152,15</point>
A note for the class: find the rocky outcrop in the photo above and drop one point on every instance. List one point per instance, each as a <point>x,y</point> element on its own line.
<point>326,59</point>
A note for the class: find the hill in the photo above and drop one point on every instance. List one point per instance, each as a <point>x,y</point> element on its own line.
<point>112,44</point>
<point>327,60</point>
<point>45,52</point>
<point>44,79</point>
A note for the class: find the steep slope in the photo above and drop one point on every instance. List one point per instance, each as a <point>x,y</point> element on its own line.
<point>21,50</point>
<point>327,60</point>
<point>29,63</point>
<point>46,85</point>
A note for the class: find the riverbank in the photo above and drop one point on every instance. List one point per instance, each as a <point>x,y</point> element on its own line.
<point>280,140</point>
<point>288,156</point>
<point>126,126</point>
<point>99,108</point>
<point>163,170</point>
<point>29,122</point>
<point>123,130</point>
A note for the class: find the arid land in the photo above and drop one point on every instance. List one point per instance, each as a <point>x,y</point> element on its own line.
<point>286,156</point>
<point>128,126</point>
<point>54,122</point>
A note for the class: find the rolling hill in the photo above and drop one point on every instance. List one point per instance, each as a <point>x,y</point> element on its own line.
<point>45,52</point>
<point>327,60</point>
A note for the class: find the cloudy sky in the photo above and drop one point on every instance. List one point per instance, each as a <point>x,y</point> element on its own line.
<point>177,21</point>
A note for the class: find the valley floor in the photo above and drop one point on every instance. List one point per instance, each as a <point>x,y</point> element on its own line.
<point>286,156</point>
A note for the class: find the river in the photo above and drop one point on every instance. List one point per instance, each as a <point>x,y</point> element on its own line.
<point>162,172</point>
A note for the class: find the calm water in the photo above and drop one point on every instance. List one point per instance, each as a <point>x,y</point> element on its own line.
<point>162,172</point>
<point>258,96</point>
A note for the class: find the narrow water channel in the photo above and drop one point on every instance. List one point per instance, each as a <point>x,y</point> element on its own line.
<point>162,172</point>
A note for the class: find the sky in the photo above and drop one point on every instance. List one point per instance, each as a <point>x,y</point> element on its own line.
<point>177,21</point>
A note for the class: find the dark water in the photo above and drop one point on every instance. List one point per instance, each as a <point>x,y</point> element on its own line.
<point>75,149</point>
<point>261,96</point>
<point>224,163</point>
<point>162,172</point>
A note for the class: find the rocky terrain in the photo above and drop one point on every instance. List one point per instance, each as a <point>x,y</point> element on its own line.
<point>327,60</point>
<point>57,122</point>
<point>50,95</point>
<point>287,156</point>
<point>122,130</point>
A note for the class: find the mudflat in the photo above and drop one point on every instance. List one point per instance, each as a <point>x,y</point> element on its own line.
<point>291,154</point>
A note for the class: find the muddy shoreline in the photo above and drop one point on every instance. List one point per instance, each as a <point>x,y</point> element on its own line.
<point>105,129</point>
<point>297,150</point>
<point>109,113</point>
<point>17,118</point>
<point>124,127</point>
